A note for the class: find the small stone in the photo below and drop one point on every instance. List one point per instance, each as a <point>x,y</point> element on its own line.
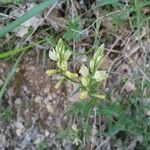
<point>10,92</point>
<point>84,59</point>
<point>148,113</point>
<point>49,97</point>
<point>32,68</point>
<point>49,108</point>
<point>46,89</point>
<point>25,89</point>
<point>129,86</point>
<point>19,125</point>
<point>18,101</point>
<point>53,95</point>
<point>19,128</point>
<point>46,133</point>
<point>2,140</point>
<point>17,149</point>
<point>52,135</point>
<point>19,132</point>
<point>38,99</point>
<point>49,118</point>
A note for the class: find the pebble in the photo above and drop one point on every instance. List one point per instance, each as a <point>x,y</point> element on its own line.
<point>52,135</point>
<point>19,132</point>
<point>148,113</point>
<point>19,125</point>
<point>32,68</point>
<point>38,99</point>
<point>49,108</point>
<point>129,86</point>
<point>25,89</point>
<point>2,140</point>
<point>10,92</point>
<point>49,97</point>
<point>47,133</point>
<point>50,118</point>
<point>18,101</point>
<point>46,89</point>
<point>19,128</point>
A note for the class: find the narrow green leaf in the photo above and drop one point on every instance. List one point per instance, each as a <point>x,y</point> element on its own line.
<point>17,50</point>
<point>10,76</point>
<point>34,11</point>
<point>105,2</point>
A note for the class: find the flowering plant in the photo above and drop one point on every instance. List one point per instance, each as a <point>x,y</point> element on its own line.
<point>88,77</point>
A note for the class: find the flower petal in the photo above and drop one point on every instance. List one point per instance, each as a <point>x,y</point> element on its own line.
<point>100,76</point>
<point>67,55</point>
<point>84,71</point>
<point>52,55</point>
<point>71,75</point>
<point>51,72</point>
<point>83,94</point>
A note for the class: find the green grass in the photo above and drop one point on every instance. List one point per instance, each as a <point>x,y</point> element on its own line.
<point>10,76</point>
<point>126,116</point>
<point>6,114</point>
<point>10,1</point>
<point>42,145</point>
<point>34,11</point>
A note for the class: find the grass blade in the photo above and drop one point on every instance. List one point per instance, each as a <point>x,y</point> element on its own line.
<point>17,50</point>
<point>35,10</point>
<point>105,2</point>
<point>10,76</point>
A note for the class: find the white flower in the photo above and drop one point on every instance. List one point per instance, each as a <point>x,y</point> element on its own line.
<point>97,58</point>
<point>52,55</point>
<point>67,55</point>
<point>84,71</point>
<point>100,76</point>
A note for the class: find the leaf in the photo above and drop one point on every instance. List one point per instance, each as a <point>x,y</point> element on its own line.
<point>99,96</point>
<point>84,71</point>
<point>74,27</point>
<point>33,22</point>
<point>51,72</point>
<point>97,58</point>
<point>100,76</point>
<point>105,2</point>
<point>92,65</point>
<point>64,65</point>
<point>17,50</point>
<point>85,81</point>
<point>83,94</point>
<point>60,47</point>
<point>67,55</point>
<point>61,80</point>
<point>10,76</point>
<point>99,54</point>
<point>71,75</point>
<point>52,55</point>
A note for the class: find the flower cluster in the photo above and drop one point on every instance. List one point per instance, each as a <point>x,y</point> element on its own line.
<point>87,78</point>
<point>91,75</point>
